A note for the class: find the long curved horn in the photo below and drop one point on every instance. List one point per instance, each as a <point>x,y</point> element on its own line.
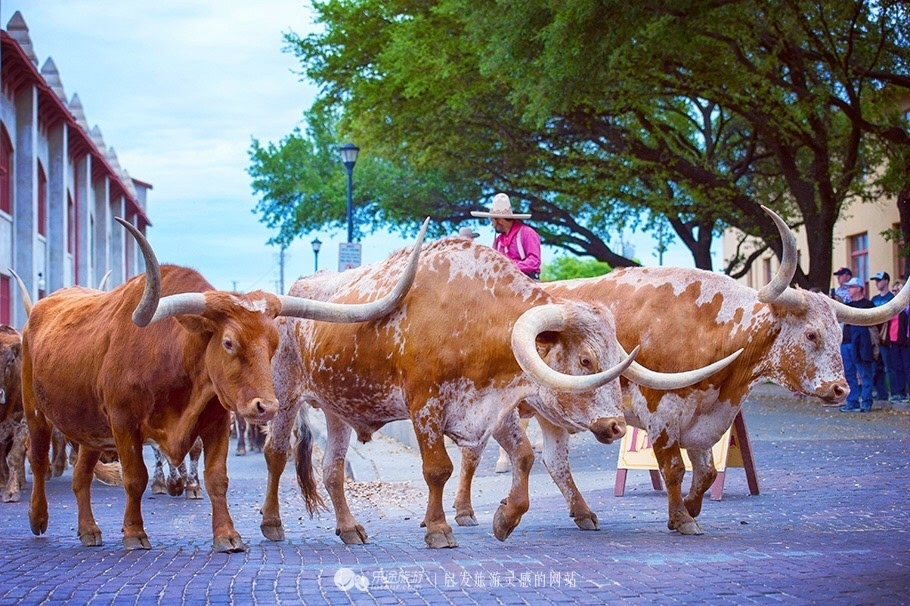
<point>103,283</point>
<point>358,312</point>
<point>524,345</point>
<point>872,315</point>
<point>788,262</point>
<point>147,311</point>
<point>675,380</point>
<point>26,300</point>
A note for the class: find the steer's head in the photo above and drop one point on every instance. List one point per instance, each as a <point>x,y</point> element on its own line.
<point>577,361</point>
<point>10,364</point>
<point>806,354</point>
<point>241,340</point>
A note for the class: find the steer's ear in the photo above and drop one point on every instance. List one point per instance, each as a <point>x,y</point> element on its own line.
<point>196,324</point>
<point>545,342</point>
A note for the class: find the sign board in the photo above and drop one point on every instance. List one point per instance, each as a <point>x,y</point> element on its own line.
<point>348,255</point>
<point>732,450</point>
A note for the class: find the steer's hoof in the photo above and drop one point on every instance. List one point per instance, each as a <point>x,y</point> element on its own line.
<point>91,538</point>
<point>353,536</point>
<point>229,545</point>
<point>194,492</point>
<point>159,488</point>
<point>465,519</point>
<point>272,532</point>
<point>39,527</point>
<point>439,540</point>
<point>587,522</point>
<point>132,543</point>
<point>11,497</point>
<point>689,527</point>
<point>502,528</point>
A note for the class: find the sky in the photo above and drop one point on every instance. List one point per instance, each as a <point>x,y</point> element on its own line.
<point>180,89</point>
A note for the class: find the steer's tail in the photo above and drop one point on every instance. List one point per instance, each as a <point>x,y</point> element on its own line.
<point>306,477</point>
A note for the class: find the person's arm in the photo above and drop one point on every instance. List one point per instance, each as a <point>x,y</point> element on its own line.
<point>530,241</point>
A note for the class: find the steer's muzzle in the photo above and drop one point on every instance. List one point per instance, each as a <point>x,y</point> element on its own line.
<point>260,411</point>
<point>607,429</point>
<point>833,393</point>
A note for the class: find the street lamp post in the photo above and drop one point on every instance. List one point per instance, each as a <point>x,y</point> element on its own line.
<point>349,157</point>
<point>316,244</point>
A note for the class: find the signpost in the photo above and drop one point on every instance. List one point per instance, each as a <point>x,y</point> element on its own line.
<point>733,450</point>
<point>348,255</point>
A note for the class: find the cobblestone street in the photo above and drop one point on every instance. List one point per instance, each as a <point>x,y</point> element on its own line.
<point>830,526</point>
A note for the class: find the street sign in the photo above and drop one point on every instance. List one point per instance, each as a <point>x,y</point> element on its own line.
<point>348,255</point>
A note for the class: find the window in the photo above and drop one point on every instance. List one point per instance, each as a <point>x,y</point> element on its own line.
<point>6,172</point>
<point>42,201</point>
<point>859,256</point>
<point>5,303</point>
<point>70,224</point>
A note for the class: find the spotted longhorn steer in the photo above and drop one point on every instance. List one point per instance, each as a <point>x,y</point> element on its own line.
<point>472,339</point>
<point>180,479</point>
<point>172,373</point>
<point>684,316</point>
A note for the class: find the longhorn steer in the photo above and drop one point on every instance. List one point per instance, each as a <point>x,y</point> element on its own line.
<point>686,316</point>
<point>106,382</point>
<point>444,361</point>
<point>13,430</point>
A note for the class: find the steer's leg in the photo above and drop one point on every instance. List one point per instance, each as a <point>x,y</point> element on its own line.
<point>135,480</point>
<point>215,446</point>
<point>83,473</point>
<point>556,460</point>
<point>276,457</point>
<point>58,465</point>
<point>437,468</point>
<point>464,510</point>
<point>703,476</point>
<point>673,469</point>
<point>176,478</point>
<point>39,443</point>
<point>15,461</point>
<point>241,436</point>
<point>193,489</point>
<point>338,438</point>
<point>159,485</point>
<point>511,436</point>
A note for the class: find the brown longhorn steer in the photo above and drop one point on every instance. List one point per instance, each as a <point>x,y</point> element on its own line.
<point>172,373</point>
<point>472,339</point>
<point>790,337</point>
<point>13,430</point>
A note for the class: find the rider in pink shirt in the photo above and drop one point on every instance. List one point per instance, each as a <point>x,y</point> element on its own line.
<point>515,239</point>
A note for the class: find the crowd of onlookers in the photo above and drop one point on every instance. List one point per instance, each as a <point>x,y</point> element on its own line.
<point>876,358</point>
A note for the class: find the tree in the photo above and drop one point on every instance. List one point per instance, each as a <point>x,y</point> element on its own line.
<point>565,267</point>
<point>613,115</point>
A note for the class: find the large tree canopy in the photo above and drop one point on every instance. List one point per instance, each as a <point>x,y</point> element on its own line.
<point>598,116</point>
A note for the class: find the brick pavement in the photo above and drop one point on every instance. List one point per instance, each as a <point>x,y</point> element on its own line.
<point>829,526</point>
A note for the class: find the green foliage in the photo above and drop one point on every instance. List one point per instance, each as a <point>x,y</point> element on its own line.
<point>604,116</point>
<point>565,267</point>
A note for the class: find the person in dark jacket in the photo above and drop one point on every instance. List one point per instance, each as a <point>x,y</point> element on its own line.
<point>858,355</point>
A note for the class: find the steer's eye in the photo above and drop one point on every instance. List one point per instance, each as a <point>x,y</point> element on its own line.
<point>586,362</point>
<point>228,344</point>
<point>811,336</point>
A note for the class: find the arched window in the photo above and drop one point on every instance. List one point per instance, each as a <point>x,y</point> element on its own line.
<point>6,172</point>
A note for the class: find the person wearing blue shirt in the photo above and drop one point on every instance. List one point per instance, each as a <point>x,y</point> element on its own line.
<point>856,349</point>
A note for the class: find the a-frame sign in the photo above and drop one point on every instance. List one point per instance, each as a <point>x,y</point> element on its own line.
<point>733,450</point>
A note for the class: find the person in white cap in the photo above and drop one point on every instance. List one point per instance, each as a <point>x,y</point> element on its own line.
<point>467,232</point>
<point>515,239</point>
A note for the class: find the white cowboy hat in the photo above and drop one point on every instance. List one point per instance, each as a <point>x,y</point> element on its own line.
<point>467,232</point>
<point>500,209</point>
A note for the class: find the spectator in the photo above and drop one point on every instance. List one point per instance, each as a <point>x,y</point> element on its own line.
<point>840,293</point>
<point>895,340</point>
<point>515,239</point>
<point>884,381</point>
<point>467,232</point>
<point>856,350</point>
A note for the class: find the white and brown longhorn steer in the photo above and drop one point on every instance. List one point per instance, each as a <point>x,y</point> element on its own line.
<point>169,374</point>
<point>473,338</point>
<point>684,317</point>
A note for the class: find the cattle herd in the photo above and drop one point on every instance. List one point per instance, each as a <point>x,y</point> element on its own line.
<point>448,334</point>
